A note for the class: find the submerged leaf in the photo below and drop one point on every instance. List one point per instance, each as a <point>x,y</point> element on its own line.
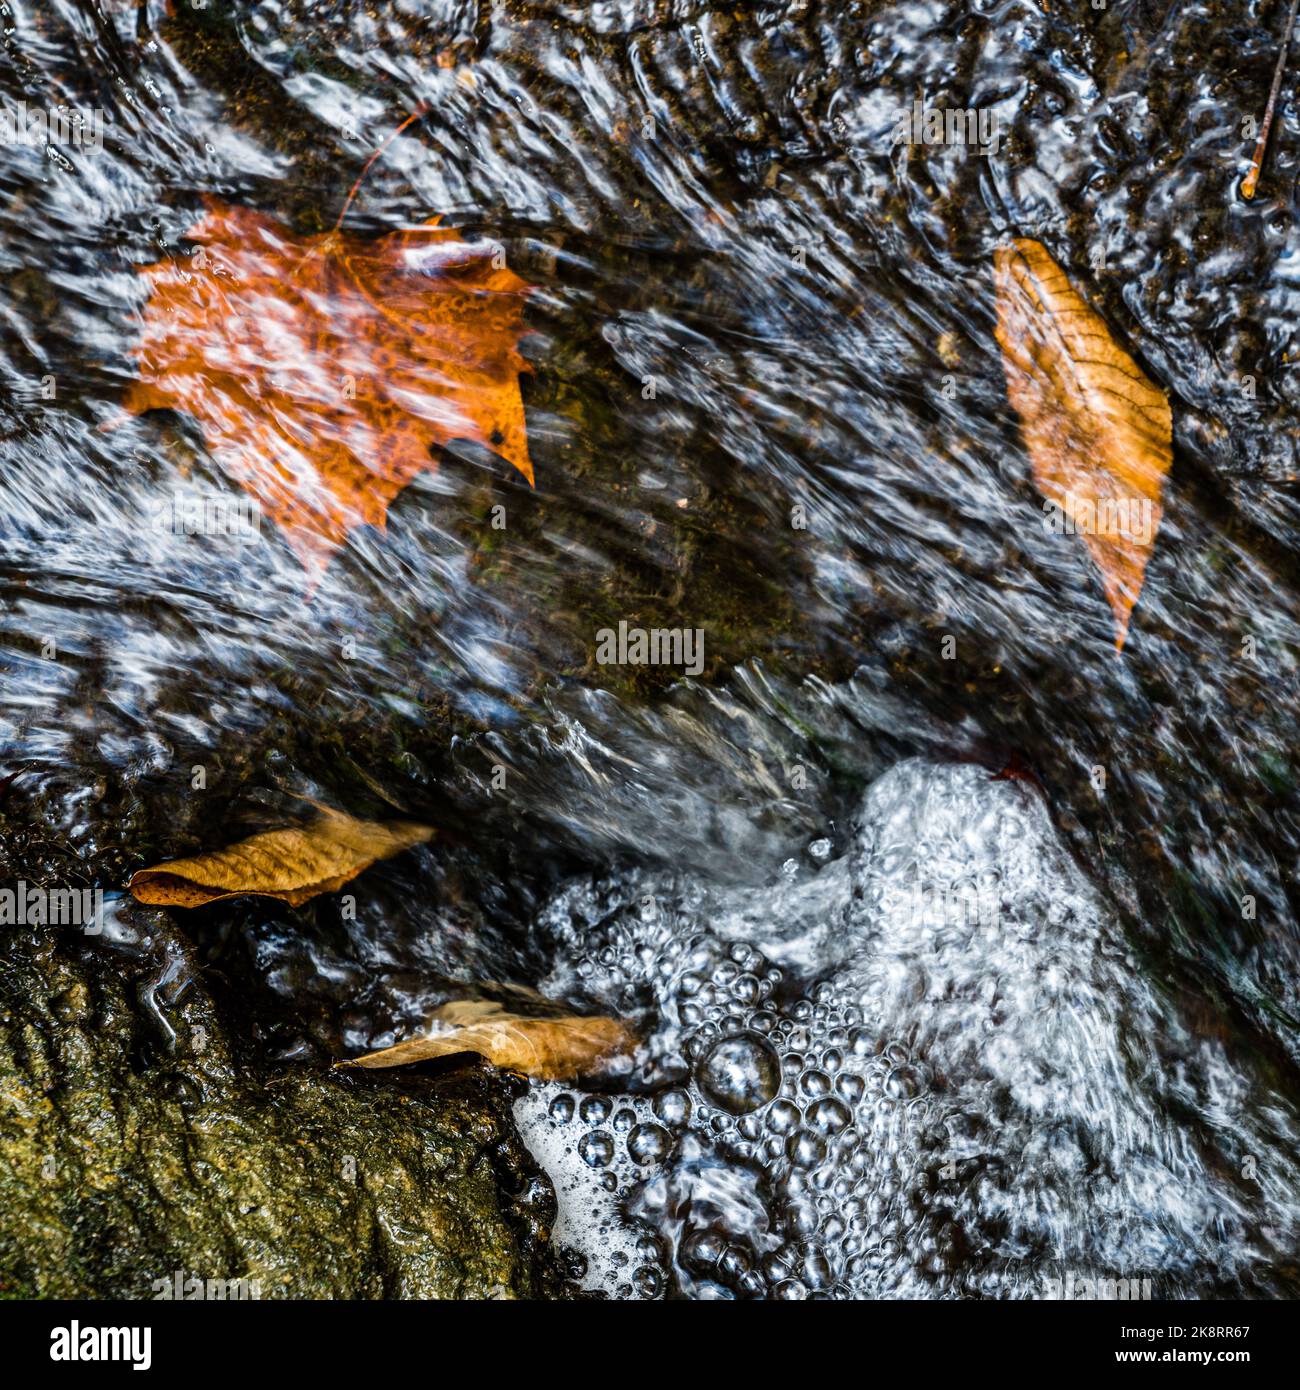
<point>1098,433</point>
<point>291,865</point>
<point>323,369</point>
<point>547,1049</point>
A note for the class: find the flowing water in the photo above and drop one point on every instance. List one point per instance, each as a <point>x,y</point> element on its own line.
<point>908,1027</point>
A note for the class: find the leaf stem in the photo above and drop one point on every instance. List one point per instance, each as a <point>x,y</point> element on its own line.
<point>415,116</point>
<point>1251,181</point>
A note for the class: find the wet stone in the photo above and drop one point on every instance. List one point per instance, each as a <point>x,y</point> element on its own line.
<point>189,1155</point>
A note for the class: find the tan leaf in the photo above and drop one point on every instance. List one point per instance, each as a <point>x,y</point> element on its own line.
<point>1097,431</point>
<point>548,1049</point>
<point>290,865</point>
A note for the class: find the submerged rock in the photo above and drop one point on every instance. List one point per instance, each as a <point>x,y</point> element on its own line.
<point>140,1151</point>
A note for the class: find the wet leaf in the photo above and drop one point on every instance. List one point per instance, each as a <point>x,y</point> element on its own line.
<point>324,369</point>
<point>290,865</point>
<point>1097,431</point>
<point>548,1049</point>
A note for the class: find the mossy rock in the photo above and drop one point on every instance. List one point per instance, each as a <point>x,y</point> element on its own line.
<point>127,1155</point>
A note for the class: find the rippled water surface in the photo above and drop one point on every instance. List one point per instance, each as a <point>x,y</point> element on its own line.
<point>909,1028</point>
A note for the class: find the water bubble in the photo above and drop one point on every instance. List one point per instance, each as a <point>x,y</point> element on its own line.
<point>829,1115</point>
<point>903,1083</point>
<point>673,1108</point>
<point>805,1149</point>
<point>778,1265</point>
<point>702,1250</point>
<point>851,1086</point>
<point>649,1250</point>
<point>595,1110</point>
<point>740,1074</point>
<point>816,1268</point>
<point>561,1110</point>
<point>596,1148</point>
<point>801,1219</point>
<point>648,1144</point>
<point>783,1117</point>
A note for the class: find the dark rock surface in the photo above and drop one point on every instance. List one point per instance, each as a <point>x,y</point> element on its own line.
<point>138,1139</point>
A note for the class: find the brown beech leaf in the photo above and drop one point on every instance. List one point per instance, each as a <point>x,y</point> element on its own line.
<point>290,865</point>
<point>322,369</point>
<point>548,1049</point>
<point>1097,431</point>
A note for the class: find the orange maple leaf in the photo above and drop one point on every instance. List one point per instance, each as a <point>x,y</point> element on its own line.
<point>324,369</point>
